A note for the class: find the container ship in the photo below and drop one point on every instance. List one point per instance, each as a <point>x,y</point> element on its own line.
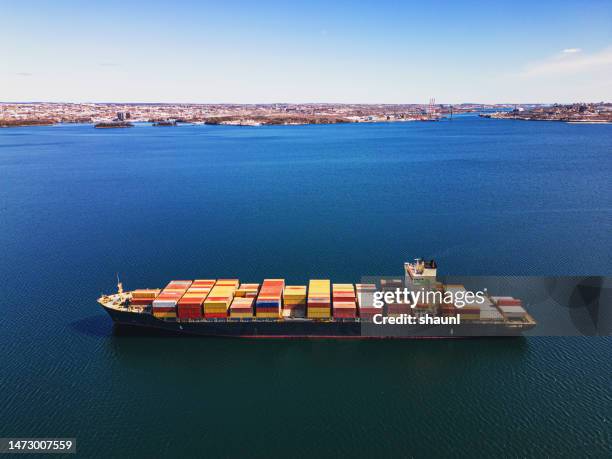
<point>321,309</point>
<point>113,124</point>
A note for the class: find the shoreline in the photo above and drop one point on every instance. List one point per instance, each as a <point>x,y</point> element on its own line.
<point>237,123</point>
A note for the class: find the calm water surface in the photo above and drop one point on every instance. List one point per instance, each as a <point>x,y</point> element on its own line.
<point>78,205</point>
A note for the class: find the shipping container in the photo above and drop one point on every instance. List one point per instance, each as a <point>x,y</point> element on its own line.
<point>228,283</point>
<point>513,312</point>
<point>270,299</point>
<point>149,294</point>
<point>490,314</point>
<point>166,301</point>
<point>241,307</point>
<point>509,302</point>
<point>294,301</point>
<point>469,316</point>
<point>140,302</point>
<point>364,294</point>
<point>190,306</point>
<point>164,315</point>
<point>216,315</point>
<point>220,298</point>
<point>344,301</point>
<point>203,283</point>
<point>319,299</point>
<point>247,290</point>
<point>267,315</point>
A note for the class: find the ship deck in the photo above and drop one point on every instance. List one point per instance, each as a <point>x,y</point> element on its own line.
<point>120,302</point>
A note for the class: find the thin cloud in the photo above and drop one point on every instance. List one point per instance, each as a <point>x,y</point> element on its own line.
<point>569,63</point>
<point>24,74</point>
<point>572,50</point>
<point>109,64</point>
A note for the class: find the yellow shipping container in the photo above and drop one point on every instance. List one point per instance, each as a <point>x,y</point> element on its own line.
<point>194,295</point>
<point>340,287</point>
<point>228,283</point>
<point>145,293</point>
<point>220,302</point>
<point>221,290</point>
<point>319,286</point>
<point>164,315</point>
<point>221,306</point>
<point>470,316</point>
<point>267,315</point>
<point>241,315</point>
<point>311,314</point>
<point>216,307</point>
<point>295,290</point>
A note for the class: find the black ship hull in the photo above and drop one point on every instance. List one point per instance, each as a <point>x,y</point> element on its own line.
<point>304,328</point>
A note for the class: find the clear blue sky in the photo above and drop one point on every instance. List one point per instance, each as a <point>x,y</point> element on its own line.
<point>387,52</point>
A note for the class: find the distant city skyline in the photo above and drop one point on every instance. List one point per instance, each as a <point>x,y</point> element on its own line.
<point>314,52</point>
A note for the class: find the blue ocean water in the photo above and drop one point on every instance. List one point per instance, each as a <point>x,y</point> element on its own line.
<point>483,197</point>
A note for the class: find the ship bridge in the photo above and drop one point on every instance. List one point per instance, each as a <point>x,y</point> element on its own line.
<point>421,269</point>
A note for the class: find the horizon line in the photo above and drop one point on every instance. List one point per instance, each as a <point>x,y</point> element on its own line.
<point>299,103</point>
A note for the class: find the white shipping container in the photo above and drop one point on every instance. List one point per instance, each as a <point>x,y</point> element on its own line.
<point>513,311</point>
<point>365,299</point>
<point>497,298</point>
<point>164,304</point>
<point>490,315</point>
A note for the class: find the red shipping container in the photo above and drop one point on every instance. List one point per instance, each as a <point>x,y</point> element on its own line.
<point>468,310</point>
<point>189,315</point>
<point>191,303</point>
<point>165,309</point>
<point>141,301</point>
<point>507,302</point>
<point>182,307</point>
<point>346,314</point>
<point>259,309</point>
